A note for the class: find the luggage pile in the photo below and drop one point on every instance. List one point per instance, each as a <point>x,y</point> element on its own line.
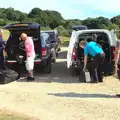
<point>7,76</point>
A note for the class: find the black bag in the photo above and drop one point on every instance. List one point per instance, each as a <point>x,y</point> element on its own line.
<point>7,76</point>
<point>82,77</point>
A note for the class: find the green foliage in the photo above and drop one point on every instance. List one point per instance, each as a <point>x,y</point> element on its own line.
<point>45,28</point>
<point>113,26</point>
<point>69,23</point>
<point>62,31</point>
<point>54,20</point>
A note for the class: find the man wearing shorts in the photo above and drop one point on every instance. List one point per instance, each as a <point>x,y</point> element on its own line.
<point>30,53</point>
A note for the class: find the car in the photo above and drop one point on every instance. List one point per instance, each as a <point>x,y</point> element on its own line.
<point>75,56</point>
<point>55,40</point>
<point>79,27</point>
<point>15,49</point>
<point>46,43</point>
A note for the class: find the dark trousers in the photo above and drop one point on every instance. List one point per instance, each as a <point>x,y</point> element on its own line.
<point>1,60</point>
<point>118,71</point>
<point>96,67</point>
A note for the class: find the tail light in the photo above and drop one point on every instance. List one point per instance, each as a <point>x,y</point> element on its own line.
<point>10,62</point>
<point>113,52</point>
<point>73,54</point>
<point>37,63</point>
<point>44,51</point>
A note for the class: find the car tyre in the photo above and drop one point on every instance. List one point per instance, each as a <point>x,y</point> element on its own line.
<point>48,67</point>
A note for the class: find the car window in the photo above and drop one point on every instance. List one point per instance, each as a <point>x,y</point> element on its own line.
<point>89,37</point>
<point>44,39</point>
<point>52,35</point>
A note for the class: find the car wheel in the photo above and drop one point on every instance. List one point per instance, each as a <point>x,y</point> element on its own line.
<point>56,54</point>
<point>48,67</point>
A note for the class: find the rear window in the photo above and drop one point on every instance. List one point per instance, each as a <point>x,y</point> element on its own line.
<point>101,37</point>
<point>52,35</point>
<point>44,38</point>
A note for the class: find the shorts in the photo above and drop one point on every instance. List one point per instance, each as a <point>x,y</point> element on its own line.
<point>30,63</point>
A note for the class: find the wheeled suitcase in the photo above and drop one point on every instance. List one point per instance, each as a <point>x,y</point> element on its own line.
<point>7,76</point>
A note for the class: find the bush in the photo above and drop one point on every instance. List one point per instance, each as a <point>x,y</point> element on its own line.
<point>45,28</point>
<point>62,31</point>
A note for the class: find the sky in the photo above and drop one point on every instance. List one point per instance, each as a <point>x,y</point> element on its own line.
<point>69,9</point>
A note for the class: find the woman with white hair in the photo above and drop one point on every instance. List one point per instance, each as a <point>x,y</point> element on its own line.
<point>1,50</point>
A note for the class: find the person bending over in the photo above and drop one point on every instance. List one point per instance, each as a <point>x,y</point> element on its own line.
<point>93,49</point>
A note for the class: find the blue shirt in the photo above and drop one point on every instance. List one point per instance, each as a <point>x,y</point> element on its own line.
<point>92,48</point>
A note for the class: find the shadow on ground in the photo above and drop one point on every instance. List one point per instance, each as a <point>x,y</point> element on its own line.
<point>81,95</point>
<point>59,73</point>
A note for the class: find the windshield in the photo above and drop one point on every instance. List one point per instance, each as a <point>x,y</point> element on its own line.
<point>52,35</point>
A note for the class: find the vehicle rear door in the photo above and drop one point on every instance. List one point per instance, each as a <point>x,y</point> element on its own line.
<point>70,48</point>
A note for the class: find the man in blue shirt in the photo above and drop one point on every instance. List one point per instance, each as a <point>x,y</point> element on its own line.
<point>95,50</point>
<point>1,51</point>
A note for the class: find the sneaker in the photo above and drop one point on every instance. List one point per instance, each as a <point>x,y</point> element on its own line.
<point>30,78</point>
<point>94,81</point>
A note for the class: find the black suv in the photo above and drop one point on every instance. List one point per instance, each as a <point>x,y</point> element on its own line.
<point>55,40</point>
<point>46,42</point>
<point>15,47</point>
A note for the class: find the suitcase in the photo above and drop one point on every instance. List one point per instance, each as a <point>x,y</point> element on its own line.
<point>85,77</point>
<point>7,76</point>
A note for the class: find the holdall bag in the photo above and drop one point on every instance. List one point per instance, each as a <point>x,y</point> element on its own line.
<point>7,76</point>
<point>87,76</point>
<point>84,77</point>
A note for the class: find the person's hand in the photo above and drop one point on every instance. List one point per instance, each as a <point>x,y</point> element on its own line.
<point>116,68</point>
<point>83,70</point>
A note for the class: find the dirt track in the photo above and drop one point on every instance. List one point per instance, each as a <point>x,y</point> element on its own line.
<point>59,96</point>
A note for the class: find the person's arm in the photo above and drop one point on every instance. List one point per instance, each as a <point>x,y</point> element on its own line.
<point>116,51</point>
<point>116,56</point>
<point>85,62</point>
<point>85,57</point>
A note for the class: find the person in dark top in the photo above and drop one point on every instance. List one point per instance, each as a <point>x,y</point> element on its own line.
<point>117,60</point>
<point>93,49</point>
<point>1,50</point>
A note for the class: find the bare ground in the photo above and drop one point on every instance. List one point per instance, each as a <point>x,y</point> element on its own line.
<point>59,96</point>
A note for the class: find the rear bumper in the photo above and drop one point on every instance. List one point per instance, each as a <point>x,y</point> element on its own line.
<point>37,62</point>
<point>14,61</point>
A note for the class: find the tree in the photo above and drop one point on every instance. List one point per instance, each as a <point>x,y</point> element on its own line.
<point>69,23</point>
<point>113,26</point>
<point>35,12</point>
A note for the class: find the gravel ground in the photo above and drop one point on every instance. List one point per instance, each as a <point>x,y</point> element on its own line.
<point>59,96</point>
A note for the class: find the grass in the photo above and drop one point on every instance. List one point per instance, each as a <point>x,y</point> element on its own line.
<point>9,115</point>
<point>65,40</point>
<point>5,34</point>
